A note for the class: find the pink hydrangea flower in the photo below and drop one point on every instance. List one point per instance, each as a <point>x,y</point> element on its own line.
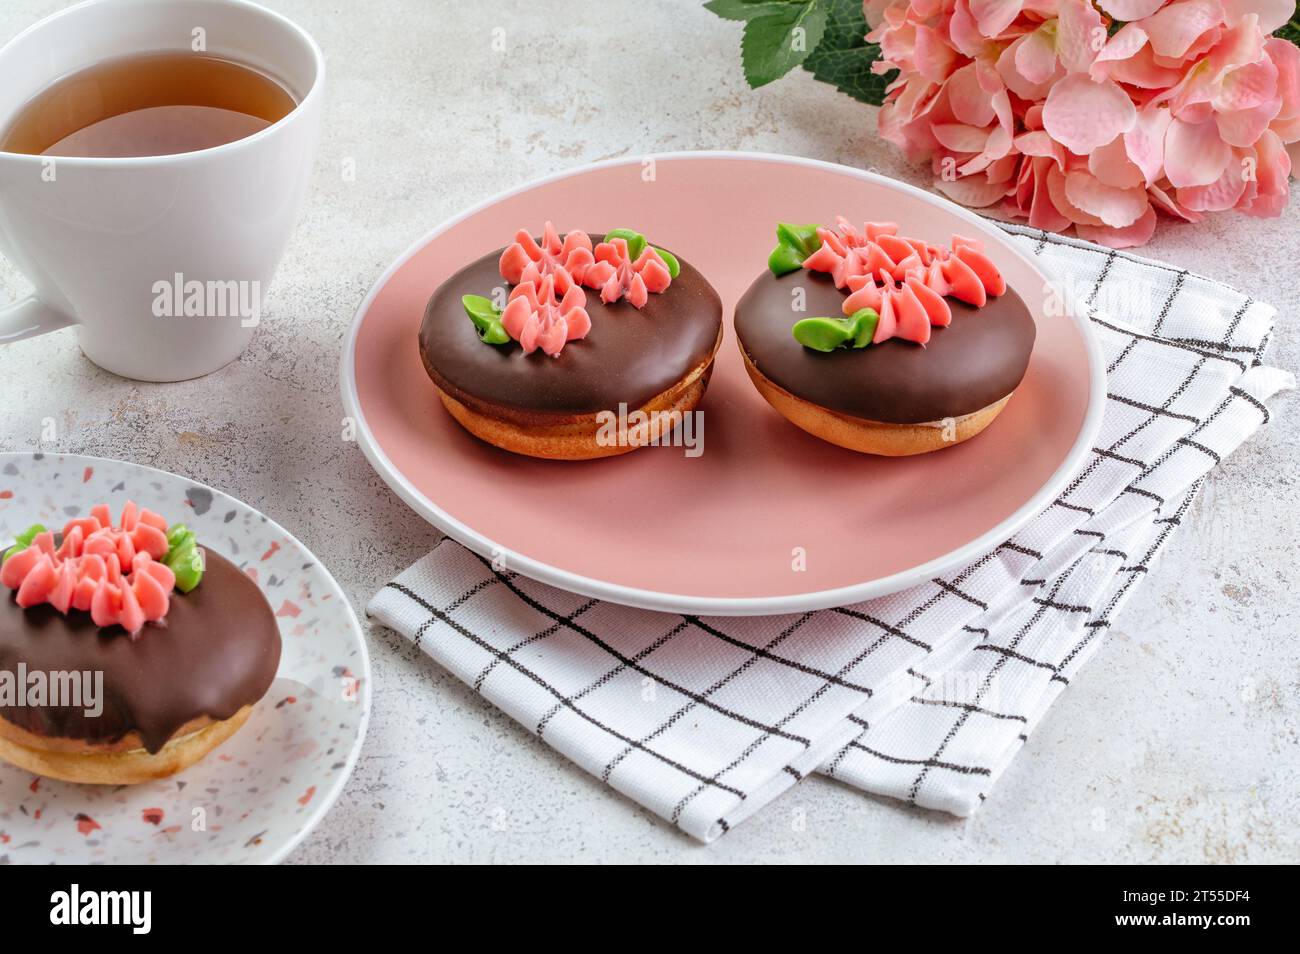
<point>1094,116</point>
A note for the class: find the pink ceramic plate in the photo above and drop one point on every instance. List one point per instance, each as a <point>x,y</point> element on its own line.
<point>726,532</point>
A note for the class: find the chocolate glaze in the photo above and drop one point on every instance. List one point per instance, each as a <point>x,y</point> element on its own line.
<point>630,355</point>
<point>974,362</point>
<point>215,652</point>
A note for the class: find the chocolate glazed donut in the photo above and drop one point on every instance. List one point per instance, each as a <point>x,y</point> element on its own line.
<point>656,358</point>
<point>892,398</point>
<point>182,687</point>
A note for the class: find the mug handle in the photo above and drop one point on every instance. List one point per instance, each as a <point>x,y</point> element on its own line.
<point>28,318</point>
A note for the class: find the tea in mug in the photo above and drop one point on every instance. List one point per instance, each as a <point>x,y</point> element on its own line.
<point>150,104</point>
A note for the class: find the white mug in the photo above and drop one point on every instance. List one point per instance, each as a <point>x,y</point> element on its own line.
<point>159,262</point>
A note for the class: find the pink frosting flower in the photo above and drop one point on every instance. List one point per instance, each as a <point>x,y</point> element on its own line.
<point>616,274</point>
<point>535,318</point>
<point>903,280</point>
<point>114,573</point>
<point>567,260</point>
<point>1092,117</point>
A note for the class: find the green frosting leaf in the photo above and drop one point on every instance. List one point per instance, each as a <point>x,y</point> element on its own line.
<point>866,320</point>
<point>487,319</point>
<point>183,557</point>
<point>23,540</point>
<point>794,243</point>
<point>827,334</point>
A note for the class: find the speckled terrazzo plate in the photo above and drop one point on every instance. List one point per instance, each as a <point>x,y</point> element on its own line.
<point>255,797</point>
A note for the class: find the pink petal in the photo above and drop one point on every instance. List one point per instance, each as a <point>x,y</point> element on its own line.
<point>1194,153</point>
<point>1043,214</point>
<point>1273,165</point>
<point>963,32</point>
<point>1142,71</point>
<point>1039,143</point>
<point>1118,208</point>
<point>1124,44</point>
<point>1082,115</point>
<point>1244,126</point>
<point>1272,13</point>
<point>1035,56</point>
<point>1220,195</point>
<point>1004,170</point>
<point>994,16</point>
<point>1111,165</point>
<point>1078,27</point>
<point>1145,142</point>
<point>1240,44</point>
<point>934,58</point>
<point>1174,28</point>
<point>970,103</point>
<point>958,137</point>
<point>1248,86</point>
<point>1162,200</point>
<point>1063,203</point>
<point>1286,57</point>
<point>975,191</point>
<point>1126,10</point>
<point>1139,233</point>
<point>1040,60</point>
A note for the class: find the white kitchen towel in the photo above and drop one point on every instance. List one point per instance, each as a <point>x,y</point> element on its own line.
<point>924,695</point>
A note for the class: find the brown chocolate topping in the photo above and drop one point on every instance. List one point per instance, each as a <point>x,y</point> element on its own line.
<point>630,355</point>
<point>215,652</point>
<point>977,360</point>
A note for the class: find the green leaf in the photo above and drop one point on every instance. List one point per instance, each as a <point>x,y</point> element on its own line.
<point>826,333</point>
<point>864,326</point>
<point>487,319</point>
<point>745,9</point>
<point>777,42</point>
<point>183,557</point>
<point>822,334</point>
<point>843,58</point>
<point>794,243</point>
<point>1290,31</point>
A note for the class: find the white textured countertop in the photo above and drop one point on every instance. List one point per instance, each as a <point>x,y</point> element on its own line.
<point>1181,741</point>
